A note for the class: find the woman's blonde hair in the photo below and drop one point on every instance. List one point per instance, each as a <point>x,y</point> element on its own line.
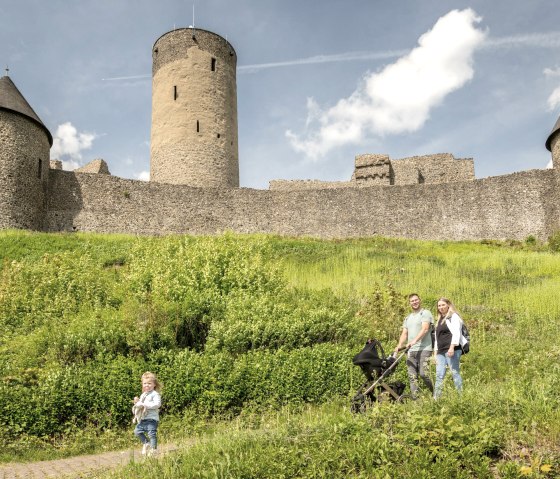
<point>149,376</point>
<point>452,309</point>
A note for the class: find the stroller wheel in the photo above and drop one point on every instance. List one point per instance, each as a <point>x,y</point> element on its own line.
<point>359,408</point>
<point>404,397</point>
<point>360,402</point>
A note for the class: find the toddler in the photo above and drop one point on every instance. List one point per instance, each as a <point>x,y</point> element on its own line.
<point>146,413</point>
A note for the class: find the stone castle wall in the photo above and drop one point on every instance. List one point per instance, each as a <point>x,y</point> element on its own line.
<point>438,168</point>
<point>194,110</point>
<point>379,170</point>
<point>24,168</point>
<point>295,185</point>
<point>511,206</point>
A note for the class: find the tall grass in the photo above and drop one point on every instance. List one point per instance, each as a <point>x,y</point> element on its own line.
<point>250,347</point>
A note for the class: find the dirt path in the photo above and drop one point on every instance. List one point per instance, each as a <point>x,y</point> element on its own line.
<point>75,467</point>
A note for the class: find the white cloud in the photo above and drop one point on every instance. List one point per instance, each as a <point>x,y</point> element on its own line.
<point>70,165</point>
<point>400,97</point>
<point>69,143</point>
<point>143,176</point>
<point>554,99</point>
<point>551,72</point>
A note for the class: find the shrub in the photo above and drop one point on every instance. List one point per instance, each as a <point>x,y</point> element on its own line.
<point>554,242</point>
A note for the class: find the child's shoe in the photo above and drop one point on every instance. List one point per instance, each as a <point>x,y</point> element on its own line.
<point>146,449</point>
<point>152,452</point>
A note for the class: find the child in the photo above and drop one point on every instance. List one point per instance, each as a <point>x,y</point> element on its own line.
<point>146,413</point>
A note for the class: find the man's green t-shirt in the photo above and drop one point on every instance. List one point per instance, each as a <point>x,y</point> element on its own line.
<point>413,323</point>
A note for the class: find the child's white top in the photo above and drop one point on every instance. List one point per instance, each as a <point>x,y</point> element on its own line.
<point>152,401</point>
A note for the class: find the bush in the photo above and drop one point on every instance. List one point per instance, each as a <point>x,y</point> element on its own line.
<point>554,242</point>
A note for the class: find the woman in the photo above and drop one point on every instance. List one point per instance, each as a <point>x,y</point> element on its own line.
<point>447,345</point>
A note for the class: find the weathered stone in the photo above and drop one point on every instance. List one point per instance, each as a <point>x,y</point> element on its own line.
<point>55,165</point>
<point>194,110</point>
<point>98,166</point>
<point>195,178</point>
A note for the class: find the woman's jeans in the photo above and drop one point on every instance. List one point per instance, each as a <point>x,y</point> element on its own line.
<point>147,427</point>
<point>442,361</point>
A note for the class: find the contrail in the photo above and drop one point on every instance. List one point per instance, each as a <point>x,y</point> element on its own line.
<point>542,40</point>
<point>341,57</point>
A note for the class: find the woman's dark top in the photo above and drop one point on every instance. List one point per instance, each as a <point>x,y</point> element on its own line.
<point>443,337</point>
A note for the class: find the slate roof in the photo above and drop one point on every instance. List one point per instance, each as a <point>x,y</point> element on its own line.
<point>552,133</point>
<point>11,99</point>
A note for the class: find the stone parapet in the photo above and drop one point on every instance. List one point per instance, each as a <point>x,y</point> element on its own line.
<point>505,207</point>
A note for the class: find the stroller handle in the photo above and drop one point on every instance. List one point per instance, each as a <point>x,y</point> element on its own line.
<point>404,348</point>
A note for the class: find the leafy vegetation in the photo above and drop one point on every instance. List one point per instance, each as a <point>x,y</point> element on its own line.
<point>253,338</point>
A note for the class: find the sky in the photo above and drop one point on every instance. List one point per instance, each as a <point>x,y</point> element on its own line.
<point>318,82</point>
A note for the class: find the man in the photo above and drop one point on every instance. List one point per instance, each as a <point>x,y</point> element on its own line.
<point>416,334</point>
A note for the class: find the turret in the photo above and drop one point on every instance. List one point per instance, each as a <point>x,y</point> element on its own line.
<point>194,110</point>
<point>24,161</point>
<point>553,144</point>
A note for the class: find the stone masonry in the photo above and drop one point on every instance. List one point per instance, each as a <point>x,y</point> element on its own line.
<point>379,170</point>
<point>194,110</point>
<point>195,177</point>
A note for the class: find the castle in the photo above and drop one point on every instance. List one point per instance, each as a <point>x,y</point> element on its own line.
<point>194,171</point>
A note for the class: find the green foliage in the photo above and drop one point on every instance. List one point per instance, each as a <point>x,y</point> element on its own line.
<point>213,316</point>
<point>286,319</point>
<point>32,293</point>
<point>330,442</point>
<point>383,311</point>
<point>554,242</point>
<point>237,326</point>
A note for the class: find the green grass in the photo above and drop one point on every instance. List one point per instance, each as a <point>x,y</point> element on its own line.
<point>265,302</point>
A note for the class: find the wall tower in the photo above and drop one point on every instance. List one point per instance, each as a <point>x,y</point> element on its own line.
<point>24,161</point>
<point>194,110</point>
<point>553,144</point>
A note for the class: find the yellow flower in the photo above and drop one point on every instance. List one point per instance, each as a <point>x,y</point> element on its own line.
<point>526,470</point>
<point>546,468</point>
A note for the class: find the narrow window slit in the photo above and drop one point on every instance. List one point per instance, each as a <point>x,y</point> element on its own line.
<point>175,92</point>
<point>213,64</point>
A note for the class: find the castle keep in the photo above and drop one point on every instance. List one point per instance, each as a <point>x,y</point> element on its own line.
<point>194,110</point>
<point>194,185</point>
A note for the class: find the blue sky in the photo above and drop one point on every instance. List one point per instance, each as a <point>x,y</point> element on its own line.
<point>318,82</point>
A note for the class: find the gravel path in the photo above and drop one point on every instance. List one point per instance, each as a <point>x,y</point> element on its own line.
<point>75,467</point>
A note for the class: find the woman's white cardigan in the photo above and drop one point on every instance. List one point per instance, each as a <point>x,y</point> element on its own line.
<point>454,323</point>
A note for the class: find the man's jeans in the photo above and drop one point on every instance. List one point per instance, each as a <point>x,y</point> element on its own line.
<point>147,427</point>
<point>418,364</point>
<point>442,361</point>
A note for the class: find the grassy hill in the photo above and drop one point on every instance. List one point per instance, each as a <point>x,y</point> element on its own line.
<point>253,337</point>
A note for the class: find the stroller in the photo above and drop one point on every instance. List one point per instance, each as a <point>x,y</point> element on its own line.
<point>376,368</point>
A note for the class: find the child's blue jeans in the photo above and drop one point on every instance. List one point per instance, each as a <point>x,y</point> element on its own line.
<point>146,430</point>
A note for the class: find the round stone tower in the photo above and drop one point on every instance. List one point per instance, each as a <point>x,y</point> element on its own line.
<point>553,144</point>
<point>194,110</point>
<point>24,161</point>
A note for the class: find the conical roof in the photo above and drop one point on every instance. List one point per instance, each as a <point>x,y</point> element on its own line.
<point>552,133</point>
<point>11,99</point>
